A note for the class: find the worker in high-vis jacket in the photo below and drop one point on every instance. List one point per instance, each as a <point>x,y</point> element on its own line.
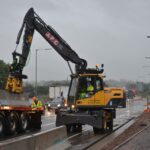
<point>90,87</point>
<point>87,92</point>
<point>36,103</point>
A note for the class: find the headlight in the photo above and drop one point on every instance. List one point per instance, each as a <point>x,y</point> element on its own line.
<point>65,105</point>
<point>58,105</point>
<point>72,106</point>
<point>49,105</point>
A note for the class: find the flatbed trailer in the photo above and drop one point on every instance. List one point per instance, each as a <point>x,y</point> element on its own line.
<point>18,116</point>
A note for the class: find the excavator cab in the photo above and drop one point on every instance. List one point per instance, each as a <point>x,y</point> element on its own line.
<point>94,106</point>
<point>83,88</point>
<point>87,91</point>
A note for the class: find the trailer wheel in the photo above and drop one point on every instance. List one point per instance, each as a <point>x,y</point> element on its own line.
<point>1,124</point>
<point>23,123</point>
<point>11,124</point>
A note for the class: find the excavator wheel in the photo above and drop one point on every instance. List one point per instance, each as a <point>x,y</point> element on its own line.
<point>96,130</point>
<point>101,130</point>
<point>73,128</point>
<point>110,124</point>
<point>77,128</point>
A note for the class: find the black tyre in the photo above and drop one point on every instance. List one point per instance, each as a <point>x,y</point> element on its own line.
<point>110,124</point>
<point>79,128</point>
<point>96,130</point>
<point>68,128</point>
<point>1,125</point>
<point>73,128</point>
<point>101,130</point>
<point>23,123</point>
<point>104,125</point>
<point>11,124</point>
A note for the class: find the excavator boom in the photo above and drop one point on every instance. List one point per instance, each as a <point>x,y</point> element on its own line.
<point>31,23</point>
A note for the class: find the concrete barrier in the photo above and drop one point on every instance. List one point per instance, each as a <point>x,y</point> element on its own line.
<point>38,141</point>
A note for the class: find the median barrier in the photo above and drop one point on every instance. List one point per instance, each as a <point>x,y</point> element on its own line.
<point>37,141</point>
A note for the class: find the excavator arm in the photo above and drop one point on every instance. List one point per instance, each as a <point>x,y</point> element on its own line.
<point>31,23</point>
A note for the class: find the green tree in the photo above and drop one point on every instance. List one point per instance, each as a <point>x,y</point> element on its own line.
<point>4,70</point>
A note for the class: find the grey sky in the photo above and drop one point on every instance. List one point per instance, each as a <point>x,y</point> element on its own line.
<point>100,31</point>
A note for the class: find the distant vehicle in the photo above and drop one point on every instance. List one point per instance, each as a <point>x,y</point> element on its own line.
<point>130,94</point>
<point>55,103</point>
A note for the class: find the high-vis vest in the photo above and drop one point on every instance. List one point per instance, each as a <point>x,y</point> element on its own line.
<point>38,105</point>
<point>90,88</point>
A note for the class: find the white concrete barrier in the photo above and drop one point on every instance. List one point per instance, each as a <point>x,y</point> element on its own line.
<point>37,141</point>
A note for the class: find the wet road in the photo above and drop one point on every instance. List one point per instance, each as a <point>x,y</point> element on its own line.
<point>48,122</point>
<point>80,140</point>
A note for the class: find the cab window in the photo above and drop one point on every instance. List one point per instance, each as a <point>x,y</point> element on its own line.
<point>86,87</point>
<point>98,84</point>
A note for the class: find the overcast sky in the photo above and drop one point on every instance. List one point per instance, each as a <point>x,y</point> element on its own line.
<point>112,32</point>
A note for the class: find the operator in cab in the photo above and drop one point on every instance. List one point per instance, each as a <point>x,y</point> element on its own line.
<point>86,92</point>
<point>90,88</point>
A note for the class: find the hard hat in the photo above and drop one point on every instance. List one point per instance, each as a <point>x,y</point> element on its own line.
<point>97,65</point>
<point>34,98</point>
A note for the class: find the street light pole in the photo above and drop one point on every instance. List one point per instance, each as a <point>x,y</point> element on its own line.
<point>36,66</point>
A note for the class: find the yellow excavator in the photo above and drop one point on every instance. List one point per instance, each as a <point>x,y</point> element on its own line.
<point>94,107</point>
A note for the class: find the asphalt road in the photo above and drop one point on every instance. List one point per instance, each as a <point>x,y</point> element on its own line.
<point>78,141</point>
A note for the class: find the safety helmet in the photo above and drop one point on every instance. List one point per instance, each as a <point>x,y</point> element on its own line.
<point>34,98</point>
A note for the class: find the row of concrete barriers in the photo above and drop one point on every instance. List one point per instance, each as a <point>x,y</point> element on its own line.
<point>37,141</point>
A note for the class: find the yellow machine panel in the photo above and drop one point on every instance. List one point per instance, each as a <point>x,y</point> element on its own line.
<point>102,98</point>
